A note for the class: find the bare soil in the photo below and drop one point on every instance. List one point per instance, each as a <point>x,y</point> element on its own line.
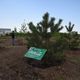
<point>13,65</point>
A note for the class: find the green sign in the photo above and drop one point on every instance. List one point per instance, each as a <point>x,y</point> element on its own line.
<point>35,53</point>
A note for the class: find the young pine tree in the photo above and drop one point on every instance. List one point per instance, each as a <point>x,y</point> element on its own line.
<point>72,37</point>
<point>46,35</point>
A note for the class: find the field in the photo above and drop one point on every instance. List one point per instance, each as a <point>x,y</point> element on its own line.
<point>13,65</point>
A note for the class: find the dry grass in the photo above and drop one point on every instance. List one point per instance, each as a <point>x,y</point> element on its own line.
<point>13,66</point>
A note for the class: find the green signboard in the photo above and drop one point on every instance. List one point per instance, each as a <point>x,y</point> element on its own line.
<point>35,53</point>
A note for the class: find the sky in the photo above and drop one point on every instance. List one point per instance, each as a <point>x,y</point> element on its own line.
<point>14,12</point>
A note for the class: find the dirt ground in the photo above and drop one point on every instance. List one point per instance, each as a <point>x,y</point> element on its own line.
<point>13,65</point>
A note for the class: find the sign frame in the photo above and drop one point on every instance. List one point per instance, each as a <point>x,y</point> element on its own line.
<point>35,53</point>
